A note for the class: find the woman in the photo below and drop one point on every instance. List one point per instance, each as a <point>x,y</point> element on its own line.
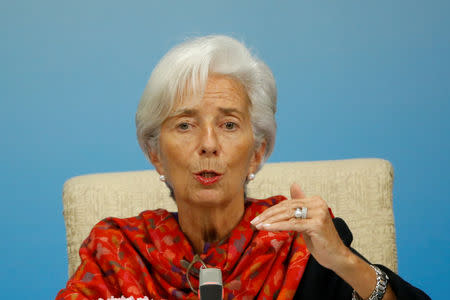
<point>206,122</point>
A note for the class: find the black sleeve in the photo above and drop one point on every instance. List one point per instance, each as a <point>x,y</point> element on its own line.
<point>321,283</point>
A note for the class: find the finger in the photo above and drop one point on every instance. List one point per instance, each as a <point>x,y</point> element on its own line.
<point>297,192</point>
<point>288,205</point>
<point>288,215</point>
<point>291,225</point>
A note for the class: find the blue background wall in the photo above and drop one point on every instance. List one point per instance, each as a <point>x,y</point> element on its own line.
<point>355,79</point>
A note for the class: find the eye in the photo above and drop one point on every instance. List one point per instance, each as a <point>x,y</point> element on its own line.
<point>183,126</point>
<point>230,125</point>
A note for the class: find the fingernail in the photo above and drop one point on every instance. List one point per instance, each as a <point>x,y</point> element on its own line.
<point>259,226</point>
<point>266,225</point>
<point>255,220</point>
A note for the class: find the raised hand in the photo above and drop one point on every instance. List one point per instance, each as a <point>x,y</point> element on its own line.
<point>318,230</point>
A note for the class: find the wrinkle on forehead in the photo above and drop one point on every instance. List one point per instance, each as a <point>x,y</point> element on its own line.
<point>217,87</point>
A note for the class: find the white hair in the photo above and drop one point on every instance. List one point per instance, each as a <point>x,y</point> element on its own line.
<point>184,70</point>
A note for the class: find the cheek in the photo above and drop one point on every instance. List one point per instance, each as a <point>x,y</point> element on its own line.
<point>241,154</point>
<point>175,155</point>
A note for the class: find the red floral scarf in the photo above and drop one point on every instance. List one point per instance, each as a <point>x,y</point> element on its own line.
<point>148,255</point>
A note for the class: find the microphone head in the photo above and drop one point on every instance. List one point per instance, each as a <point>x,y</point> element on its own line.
<point>210,284</point>
<point>210,275</point>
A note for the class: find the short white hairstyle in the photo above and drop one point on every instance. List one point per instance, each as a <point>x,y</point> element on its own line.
<point>184,70</point>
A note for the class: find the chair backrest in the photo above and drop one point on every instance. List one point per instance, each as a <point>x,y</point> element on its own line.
<point>358,190</point>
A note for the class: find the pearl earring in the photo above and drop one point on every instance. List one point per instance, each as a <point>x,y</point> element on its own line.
<point>251,176</point>
<point>162,178</point>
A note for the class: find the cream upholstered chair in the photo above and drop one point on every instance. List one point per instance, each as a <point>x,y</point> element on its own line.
<point>358,190</point>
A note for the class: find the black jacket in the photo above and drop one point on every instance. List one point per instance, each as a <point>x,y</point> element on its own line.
<point>322,284</point>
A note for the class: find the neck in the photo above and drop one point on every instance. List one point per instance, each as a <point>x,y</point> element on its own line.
<point>208,224</point>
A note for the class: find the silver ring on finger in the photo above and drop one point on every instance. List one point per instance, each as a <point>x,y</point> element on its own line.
<point>300,213</point>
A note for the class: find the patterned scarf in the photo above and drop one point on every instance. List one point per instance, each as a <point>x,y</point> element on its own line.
<point>149,255</point>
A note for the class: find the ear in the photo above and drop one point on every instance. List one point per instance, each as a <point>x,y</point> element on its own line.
<point>155,159</point>
<point>257,157</point>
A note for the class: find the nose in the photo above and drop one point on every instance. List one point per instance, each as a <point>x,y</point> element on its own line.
<point>209,144</point>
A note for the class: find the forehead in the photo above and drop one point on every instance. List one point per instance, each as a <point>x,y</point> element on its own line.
<point>220,91</point>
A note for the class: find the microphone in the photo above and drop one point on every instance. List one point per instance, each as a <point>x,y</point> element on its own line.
<point>210,284</point>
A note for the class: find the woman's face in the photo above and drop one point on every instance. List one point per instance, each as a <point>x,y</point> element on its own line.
<point>207,145</point>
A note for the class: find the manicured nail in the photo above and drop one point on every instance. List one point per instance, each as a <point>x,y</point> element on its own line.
<point>255,220</point>
<point>259,226</point>
<point>266,225</point>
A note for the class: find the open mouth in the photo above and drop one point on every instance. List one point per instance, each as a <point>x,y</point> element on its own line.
<point>208,177</point>
<point>208,174</point>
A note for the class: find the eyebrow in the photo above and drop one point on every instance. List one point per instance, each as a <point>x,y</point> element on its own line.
<point>184,112</point>
<point>193,112</point>
<point>229,111</point>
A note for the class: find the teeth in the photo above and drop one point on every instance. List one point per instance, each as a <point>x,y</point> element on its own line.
<point>208,174</point>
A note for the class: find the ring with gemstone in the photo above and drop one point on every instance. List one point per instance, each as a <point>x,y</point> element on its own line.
<point>300,213</point>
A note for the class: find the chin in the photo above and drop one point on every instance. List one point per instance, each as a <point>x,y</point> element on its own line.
<point>209,198</point>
